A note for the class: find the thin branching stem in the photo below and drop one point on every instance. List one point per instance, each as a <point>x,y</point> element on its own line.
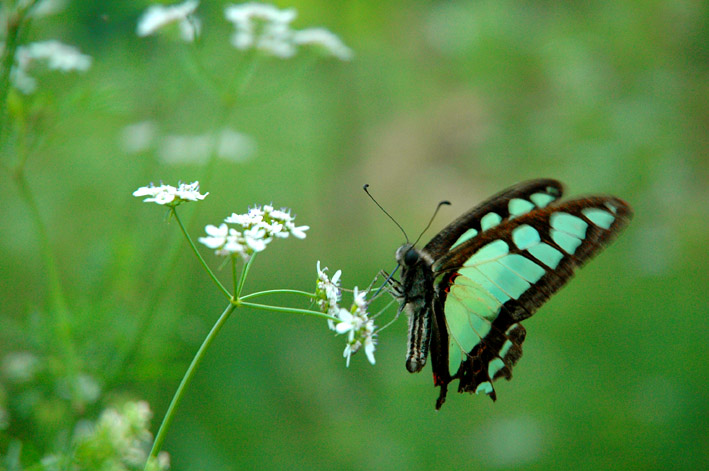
<point>278,291</point>
<point>242,279</point>
<point>186,379</point>
<point>211,274</point>
<point>288,310</point>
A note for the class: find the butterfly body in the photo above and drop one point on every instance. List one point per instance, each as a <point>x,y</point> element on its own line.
<point>467,290</point>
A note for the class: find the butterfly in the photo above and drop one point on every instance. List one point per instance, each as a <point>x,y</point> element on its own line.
<point>467,291</point>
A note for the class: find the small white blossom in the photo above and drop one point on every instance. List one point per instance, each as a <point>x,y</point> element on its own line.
<point>325,39</point>
<point>20,367</point>
<point>169,195</point>
<point>57,55</point>
<point>159,16</point>
<point>263,27</point>
<point>196,149</point>
<point>358,327</point>
<point>328,293</point>
<point>216,236</point>
<point>138,137</point>
<point>256,229</point>
<point>46,7</point>
<point>267,29</point>
<point>119,439</point>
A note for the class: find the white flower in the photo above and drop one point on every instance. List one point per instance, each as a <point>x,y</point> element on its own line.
<point>235,146</point>
<point>328,294</point>
<point>44,7</point>
<point>169,195</point>
<point>58,56</point>
<point>158,16</point>
<point>263,27</point>
<point>256,238</point>
<point>216,236</point>
<point>228,145</point>
<point>20,367</point>
<point>138,137</point>
<point>267,29</point>
<point>324,39</point>
<point>257,228</point>
<point>358,327</point>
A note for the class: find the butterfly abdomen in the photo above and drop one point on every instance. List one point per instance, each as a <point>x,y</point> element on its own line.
<point>417,284</point>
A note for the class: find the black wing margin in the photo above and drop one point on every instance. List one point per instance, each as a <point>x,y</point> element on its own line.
<point>499,204</point>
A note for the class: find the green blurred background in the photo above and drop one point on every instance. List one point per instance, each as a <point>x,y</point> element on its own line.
<point>443,100</point>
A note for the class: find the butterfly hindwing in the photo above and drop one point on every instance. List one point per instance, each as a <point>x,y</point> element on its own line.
<point>487,284</point>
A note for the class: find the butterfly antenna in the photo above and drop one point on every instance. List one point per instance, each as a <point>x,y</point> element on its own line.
<point>385,212</point>
<point>442,203</point>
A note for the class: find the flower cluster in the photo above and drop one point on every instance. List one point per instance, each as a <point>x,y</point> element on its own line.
<point>57,55</point>
<point>159,16</point>
<point>358,327</point>
<point>355,322</point>
<point>254,231</point>
<point>328,294</point>
<point>258,26</point>
<point>266,28</point>
<point>169,195</point>
<point>119,440</point>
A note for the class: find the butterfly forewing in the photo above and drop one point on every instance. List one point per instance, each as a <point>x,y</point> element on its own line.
<point>507,204</point>
<point>487,284</point>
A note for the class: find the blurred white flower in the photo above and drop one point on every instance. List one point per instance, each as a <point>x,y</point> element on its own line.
<point>358,327</point>
<point>169,195</point>
<point>57,55</point>
<point>325,39</point>
<point>235,146</point>
<point>119,439</point>
<point>138,137</point>
<point>157,17</point>
<point>267,29</point>
<point>44,7</point>
<point>257,228</point>
<point>230,145</point>
<point>19,367</point>
<point>263,27</point>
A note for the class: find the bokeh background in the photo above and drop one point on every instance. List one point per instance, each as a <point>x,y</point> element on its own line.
<point>443,100</point>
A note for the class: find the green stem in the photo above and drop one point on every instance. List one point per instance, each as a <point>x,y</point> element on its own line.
<point>199,256</point>
<point>234,276</point>
<point>14,23</point>
<point>57,299</point>
<point>278,291</point>
<point>189,374</point>
<point>242,279</point>
<point>289,310</point>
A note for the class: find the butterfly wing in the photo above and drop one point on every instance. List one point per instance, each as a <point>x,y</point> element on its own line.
<point>487,284</point>
<point>507,204</point>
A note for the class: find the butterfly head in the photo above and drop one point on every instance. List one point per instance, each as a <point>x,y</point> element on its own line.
<point>407,255</point>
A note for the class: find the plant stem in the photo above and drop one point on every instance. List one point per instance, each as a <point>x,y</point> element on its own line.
<point>244,272</point>
<point>189,374</point>
<point>57,299</point>
<point>289,310</point>
<point>199,256</point>
<point>278,291</point>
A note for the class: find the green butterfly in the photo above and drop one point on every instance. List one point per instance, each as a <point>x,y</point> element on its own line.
<point>469,288</point>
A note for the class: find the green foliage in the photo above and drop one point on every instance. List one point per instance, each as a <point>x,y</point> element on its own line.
<point>102,304</point>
